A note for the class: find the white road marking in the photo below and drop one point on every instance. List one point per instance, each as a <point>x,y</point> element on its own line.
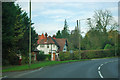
<point>101,66</point>
<point>100,74</point>
<point>3,77</point>
<point>28,72</point>
<point>41,68</point>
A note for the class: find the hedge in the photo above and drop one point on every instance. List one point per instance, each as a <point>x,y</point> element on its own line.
<point>87,54</point>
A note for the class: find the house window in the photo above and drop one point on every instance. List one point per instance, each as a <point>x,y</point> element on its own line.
<point>47,46</point>
<point>42,46</point>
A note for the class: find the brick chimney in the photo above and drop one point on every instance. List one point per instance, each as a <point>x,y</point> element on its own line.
<point>46,35</point>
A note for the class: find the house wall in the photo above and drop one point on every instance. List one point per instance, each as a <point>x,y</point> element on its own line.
<point>46,49</point>
<point>65,47</point>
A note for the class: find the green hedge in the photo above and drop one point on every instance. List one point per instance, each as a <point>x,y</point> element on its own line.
<point>89,54</point>
<point>69,56</point>
<point>86,54</point>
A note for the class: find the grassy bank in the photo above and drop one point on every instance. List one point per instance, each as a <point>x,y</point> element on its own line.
<point>36,65</point>
<point>41,64</point>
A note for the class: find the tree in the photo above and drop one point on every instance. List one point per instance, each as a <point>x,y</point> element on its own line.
<point>74,38</point>
<point>58,34</point>
<point>98,35</point>
<point>65,31</point>
<point>9,13</point>
<point>102,19</point>
<point>15,31</point>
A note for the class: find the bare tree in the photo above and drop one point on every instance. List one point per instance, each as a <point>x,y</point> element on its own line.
<point>102,18</point>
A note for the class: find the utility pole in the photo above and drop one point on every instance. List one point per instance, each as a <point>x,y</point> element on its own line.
<point>115,44</point>
<point>78,26</point>
<point>30,36</point>
<point>79,39</point>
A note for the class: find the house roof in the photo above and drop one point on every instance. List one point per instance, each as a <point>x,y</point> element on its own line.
<point>47,40</point>
<point>40,37</point>
<point>60,42</point>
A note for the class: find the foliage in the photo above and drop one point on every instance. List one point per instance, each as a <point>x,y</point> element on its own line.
<point>90,54</point>
<point>65,31</point>
<point>64,56</point>
<point>69,56</point>
<point>108,46</point>
<point>99,35</point>
<point>41,56</point>
<point>58,34</point>
<point>87,54</point>
<point>15,32</point>
<point>48,57</point>
<point>25,60</point>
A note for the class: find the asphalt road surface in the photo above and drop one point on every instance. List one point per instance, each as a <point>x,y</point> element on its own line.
<point>96,68</point>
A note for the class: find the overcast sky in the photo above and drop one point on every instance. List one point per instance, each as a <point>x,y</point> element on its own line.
<point>49,16</point>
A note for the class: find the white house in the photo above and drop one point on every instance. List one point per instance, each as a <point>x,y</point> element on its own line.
<point>50,45</point>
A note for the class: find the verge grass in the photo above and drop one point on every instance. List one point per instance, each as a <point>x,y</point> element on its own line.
<point>36,65</point>
<point>40,64</point>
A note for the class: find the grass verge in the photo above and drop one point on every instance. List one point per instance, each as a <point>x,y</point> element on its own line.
<point>36,65</point>
<point>40,64</point>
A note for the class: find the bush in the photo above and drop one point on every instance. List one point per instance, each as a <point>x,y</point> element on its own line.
<point>25,60</point>
<point>64,56</point>
<point>48,57</point>
<point>76,55</point>
<point>13,58</point>
<point>89,54</point>
<point>41,56</point>
<point>108,46</point>
<point>86,54</point>
<point>69,56</point>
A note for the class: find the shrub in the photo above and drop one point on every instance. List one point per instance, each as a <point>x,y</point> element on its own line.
<point>76,55</point>
<point>41,56</point>
<point>48,57</point>
<point>108,46</point>
<point>69,56</point>
<point>89,54</point>
<point>13,58</point>
<point>25,60</point>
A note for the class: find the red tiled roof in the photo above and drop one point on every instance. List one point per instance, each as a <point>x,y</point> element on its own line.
<point>47,40</point>
<point>60,42</point>
<point>40,37</point>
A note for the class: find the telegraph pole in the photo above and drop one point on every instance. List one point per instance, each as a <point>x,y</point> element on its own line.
<point>78,26</point>
<point>30,36</point>
<point>79,39</point>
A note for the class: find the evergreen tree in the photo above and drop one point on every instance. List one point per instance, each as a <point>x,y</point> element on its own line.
<point>15,33</point>
<point>58,34</point>
<point>65,31</point>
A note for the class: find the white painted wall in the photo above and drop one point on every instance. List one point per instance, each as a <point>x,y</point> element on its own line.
<point>65,48</point>
<point>47,50</point>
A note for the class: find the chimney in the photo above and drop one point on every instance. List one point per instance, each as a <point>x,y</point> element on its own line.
<point>46,35</point>
<point>53,36</point>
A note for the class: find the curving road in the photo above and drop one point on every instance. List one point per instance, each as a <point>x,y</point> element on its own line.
<point>96,68</point>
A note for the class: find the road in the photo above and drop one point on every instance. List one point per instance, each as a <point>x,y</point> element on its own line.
<point>96,68</point>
